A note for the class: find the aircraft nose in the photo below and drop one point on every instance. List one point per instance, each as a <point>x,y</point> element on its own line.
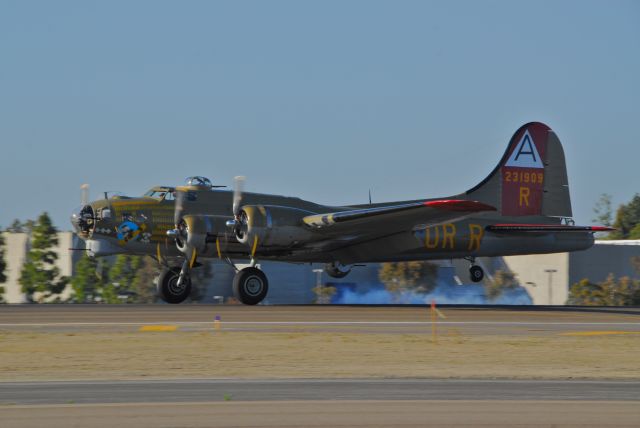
<point>82,220</point>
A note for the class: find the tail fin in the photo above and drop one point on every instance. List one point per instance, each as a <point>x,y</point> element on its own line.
<point>531,178</point>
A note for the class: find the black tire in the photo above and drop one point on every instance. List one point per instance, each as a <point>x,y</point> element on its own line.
<point>168,289</point>
<point>476,273</point>
<point>250,286</point>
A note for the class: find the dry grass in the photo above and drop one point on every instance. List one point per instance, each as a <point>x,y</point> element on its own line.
<point>31,356</point>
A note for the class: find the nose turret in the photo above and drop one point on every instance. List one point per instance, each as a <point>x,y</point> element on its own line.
<point>83,221</point>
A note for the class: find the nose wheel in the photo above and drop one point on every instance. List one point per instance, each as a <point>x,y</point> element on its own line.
<point>250,286</point>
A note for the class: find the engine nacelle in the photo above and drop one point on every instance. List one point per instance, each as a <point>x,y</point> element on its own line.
<point>273,226</point>
<point>194,232</point>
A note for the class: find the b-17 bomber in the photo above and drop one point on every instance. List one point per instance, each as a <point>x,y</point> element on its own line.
<point>522,207</point>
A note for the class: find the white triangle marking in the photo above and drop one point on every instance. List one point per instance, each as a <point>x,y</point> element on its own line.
<point>525,155</point>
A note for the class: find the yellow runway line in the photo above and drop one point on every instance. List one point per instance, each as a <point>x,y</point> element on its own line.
<point>159,328</point>
<point>598,333</point>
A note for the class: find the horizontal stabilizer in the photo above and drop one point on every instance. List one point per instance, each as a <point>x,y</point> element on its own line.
<point>545,228</point>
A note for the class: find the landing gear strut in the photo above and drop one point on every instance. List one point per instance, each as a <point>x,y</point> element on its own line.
<point>250,286</point>
<point>476,273</point>
<point>170,289</point>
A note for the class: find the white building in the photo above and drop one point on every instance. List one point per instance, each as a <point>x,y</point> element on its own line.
<point>16,248</point>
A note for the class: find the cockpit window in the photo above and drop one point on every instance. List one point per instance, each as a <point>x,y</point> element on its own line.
<point>160,195</point>
<point>154,194</point>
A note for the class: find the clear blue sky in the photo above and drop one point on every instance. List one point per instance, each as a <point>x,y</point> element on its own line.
<point>321,100</point>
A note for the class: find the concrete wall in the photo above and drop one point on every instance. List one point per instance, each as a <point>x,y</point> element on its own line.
<point>544,288</point>
<point>16,245</point>
<point>602,259</point>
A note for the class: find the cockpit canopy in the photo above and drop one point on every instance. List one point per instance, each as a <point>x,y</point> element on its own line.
<point>166,193</point>
<point>198,181</point>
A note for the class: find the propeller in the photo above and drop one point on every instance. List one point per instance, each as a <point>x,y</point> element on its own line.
<point>235,226</point>
<point>181,235</point>
<point>82,218</point>
<point>238,188</point>
<point>84,194</point>
<point>236,223</point>
<point>178,207</point>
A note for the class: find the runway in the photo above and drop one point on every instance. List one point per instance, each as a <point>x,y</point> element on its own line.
<point>359,319</point>
<point>266,366</point>
<point>317,402</point>
<point>342,413</point>
<point>193,390</point>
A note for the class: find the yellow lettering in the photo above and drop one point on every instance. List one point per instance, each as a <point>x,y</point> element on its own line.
<point>448,235</point>
<point>524,195</point>
<point>475,236</point>
<point>427,237</point>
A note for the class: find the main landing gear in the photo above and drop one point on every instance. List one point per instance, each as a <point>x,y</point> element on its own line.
<point>170,289</point>
<point>250,285</point>
<point>476,273</point>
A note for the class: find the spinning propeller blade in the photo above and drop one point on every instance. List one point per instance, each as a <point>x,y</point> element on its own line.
<point>179,205</point>
<point>238,187</point>
<point>84,194</point>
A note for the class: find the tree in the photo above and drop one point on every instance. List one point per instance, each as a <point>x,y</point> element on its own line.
<point>603,210</point>
<point>627,219</point>
<point>417,276</point>
<point>40,278</point>
<point>16,227</point>
<point>616,292</point>
<point>199,279</point>
<point>143,281</point>
<point>3,267</point>
<point>86,283</point>
<point>323,293</point>
<point>502,281</point>
<point>585,293</point>
<point>635,262</point>
<point>611,292</point>
<point>119,286</point>
<point>635,232</point>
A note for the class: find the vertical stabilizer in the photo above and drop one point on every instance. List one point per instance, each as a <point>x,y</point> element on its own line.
<point>531,178</point>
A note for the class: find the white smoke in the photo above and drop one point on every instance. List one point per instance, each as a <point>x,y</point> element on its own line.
<point>442,294</point>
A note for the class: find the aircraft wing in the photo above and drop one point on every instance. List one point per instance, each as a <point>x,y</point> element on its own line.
<point>395,218</point>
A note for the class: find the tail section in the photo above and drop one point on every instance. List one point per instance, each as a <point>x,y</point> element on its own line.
<point>531,178</point>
